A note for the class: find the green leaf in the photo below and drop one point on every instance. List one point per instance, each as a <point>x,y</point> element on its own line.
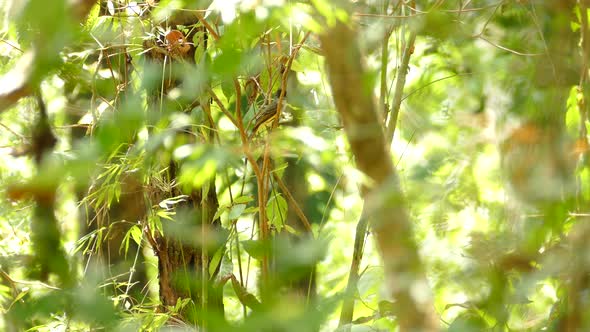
<point>572,117</point>
<point>291,230</point>
<point>155,224</point>
<point>252,209</point>
<point>255,248</point>
<point>125,243</point>
<point>243,199</point>
<point>136,234</point>
<point>216,260</point>
<point>20,295</point>
<point>228,89</point>
<point>117,192</point>
<point>205,190</point>
<point>236,211</point>
<point>165,214</point>
<point>276,211</point>
<point>220,211</point>
<point>245,297</point>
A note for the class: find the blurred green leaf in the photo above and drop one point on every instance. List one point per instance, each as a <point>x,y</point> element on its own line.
<point>236,211</point>
<point>256,248</point>
<point>276,211</point>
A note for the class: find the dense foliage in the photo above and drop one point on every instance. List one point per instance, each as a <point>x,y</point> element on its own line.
<point>291,165</point>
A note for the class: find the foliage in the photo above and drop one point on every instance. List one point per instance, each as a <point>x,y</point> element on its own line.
<point>201,177</point>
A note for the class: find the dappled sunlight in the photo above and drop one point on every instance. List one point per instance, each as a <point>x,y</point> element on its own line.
<point>282,165</point>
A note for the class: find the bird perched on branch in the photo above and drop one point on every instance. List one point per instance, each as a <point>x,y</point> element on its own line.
<point>267,113</point>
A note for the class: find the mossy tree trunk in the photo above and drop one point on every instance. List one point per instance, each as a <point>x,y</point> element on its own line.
<point>185,249</point>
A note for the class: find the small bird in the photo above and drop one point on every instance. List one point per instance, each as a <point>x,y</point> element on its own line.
<point>267,114</point>
<point>176,43</point>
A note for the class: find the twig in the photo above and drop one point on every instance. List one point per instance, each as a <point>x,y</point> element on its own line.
<point>506,48</point>
<point>432,82</point>
<point>384,63</point>
<point>239,123</point>
<point>22,137</point>
<point>400,82</point>
<point>353,274</point>
<point>485,25</point>
<point>259,177</point>
<point>293,202</point>
<point>207,26</point>
<point>222,108</point>
<point>13,282</point>
<point>11,45</point>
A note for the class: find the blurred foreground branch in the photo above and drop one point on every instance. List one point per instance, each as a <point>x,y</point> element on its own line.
<point>406,280</point>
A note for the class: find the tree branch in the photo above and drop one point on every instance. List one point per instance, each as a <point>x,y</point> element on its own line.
<point>385,205</point>
<point>400,82</point>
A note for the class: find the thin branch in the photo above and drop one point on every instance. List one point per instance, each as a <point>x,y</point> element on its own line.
<point>485,25</point>
<point>25,282</point>
<point>400,82</point>
<point>384,63</point>
<point>286,74</point>
<point>266,156</point>
<point>207,26</point>
<point>15,84</point>
<point>431,83</point>
<point>11,45</point>
<point>239,123</point>
<point>293,202</point>
<point>533,14</point>
<point>20,136</point>
<point>259,178</point>
<point>507,49</point>
<point>346,314</point>
<point>223,108</point>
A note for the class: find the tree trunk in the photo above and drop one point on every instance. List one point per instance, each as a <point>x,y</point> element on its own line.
<point>183,261</point>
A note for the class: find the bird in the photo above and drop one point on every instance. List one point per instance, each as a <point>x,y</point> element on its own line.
<point>267,114</point>
<point>176,43</point>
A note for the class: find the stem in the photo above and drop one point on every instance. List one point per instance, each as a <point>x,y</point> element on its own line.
<point>400,82</point>
<point>386,208</point>
<point>204,255</point>
<point>259,178</point>
<point>384,63</point>
<point>294,203</point>
<point>353,275</point>
<point>347,312</point>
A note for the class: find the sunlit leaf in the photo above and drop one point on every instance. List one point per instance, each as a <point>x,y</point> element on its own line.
<point>276,210</point>
<point>216,261</point>
<point>243,199</point>
<point>136,234</point>
<point>236,211</point>
<point>256,249</point>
